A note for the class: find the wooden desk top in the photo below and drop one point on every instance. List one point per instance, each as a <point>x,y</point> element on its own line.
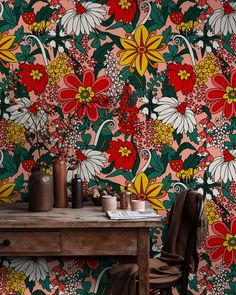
<point>17,216</point>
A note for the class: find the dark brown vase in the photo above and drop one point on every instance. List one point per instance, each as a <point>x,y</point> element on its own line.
<point>40,191</point>
<point>60,183</point>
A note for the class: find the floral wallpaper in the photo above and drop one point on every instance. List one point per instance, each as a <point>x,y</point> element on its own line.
<point>139,94</point>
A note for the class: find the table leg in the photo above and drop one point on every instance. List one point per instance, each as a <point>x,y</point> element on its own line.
<point>143,260</point>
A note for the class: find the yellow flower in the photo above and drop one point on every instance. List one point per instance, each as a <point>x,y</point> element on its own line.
<point>210,58</point>
<point>64,70</point>
<point>201,79</point>
<point>187,27</point>
<point>143,189</point>
<point>158,125</point>
<point>209,206</point>
<point>7,192</point>
<point>53,67</point>
<point>168,130</point>
<point>6,46</point>
<point>212,217</point>
<point>201,67</point>
<point>84,94</point>
<point>212,70</point>
<point>187,175</point>
<point>39,28</point>
<point>15,133</point>
<point>230,94</point>
<point>141,49</point>
<point>62,59</point>
<point>54,79</point>
<point>230,242</point>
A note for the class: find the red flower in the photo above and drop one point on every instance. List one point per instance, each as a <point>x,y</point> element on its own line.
<point>122,9</point>
<point>34,77</point>
<point>122,153</point>
<point>223,98</point>
<point>224,243</point>
<point>182,77</point>
<point>84,97</point>
<point>92,262</point>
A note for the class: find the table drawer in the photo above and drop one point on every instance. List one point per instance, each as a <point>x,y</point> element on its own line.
<point>101,241</point>
<point>29,242</point>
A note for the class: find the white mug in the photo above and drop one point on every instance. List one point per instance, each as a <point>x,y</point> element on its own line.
<point>109,203</point>
<point>137,205</point>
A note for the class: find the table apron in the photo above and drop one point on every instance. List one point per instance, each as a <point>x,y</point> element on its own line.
<point>69,242</point>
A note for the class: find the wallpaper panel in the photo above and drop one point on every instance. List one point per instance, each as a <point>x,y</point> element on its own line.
<point>139,94</point>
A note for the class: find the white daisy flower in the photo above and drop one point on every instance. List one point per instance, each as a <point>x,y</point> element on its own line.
<point>90,163</point>
<point>224,167</point>
<point>36,269</point>
<point>171,111</point>
<point>83,18</point>
<point>224,20</point>
<point>27,113</point>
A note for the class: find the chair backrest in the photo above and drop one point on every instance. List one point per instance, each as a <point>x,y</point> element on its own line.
<point>185,219</point>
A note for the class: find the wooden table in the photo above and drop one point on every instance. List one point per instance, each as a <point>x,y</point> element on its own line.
<point>72,232</point>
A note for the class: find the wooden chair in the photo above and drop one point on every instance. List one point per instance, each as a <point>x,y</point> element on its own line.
<point>179,224</point>
<point>178,256</point>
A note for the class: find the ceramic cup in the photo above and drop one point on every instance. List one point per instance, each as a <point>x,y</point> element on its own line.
<point>109,203</point>
<point>137,205</point>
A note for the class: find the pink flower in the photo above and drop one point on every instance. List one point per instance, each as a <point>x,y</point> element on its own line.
<point>84,97</point>
<point>223,97</point>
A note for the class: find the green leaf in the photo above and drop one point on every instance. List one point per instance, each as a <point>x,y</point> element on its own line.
<point>114,38</point>
<point>30,285</point>
<point>192,161</point>
<point>168,90</point>
<point>99,56</point>
<point>4,173</point>
<point>125,72</point>
<point>9,163</point>
<point>19,182</point>
<point>167,35</point>
<point>167,182</point>
<point>232,138</point>
<point>108,21</point>
<point>157,164</point>
<point>45,284</point>
<point>116,173</point>
<point>38,292</point>
<point>86,285</point>
<point>157,16</point>
<point>177,137</point>
<point>103,141</point>
<point>108,169</point>
<point>184,146</point>
<point>86,138</point>
<point>116,26</point>
<point>44,13</point>
<point>19,35</point>
<point>32,2</point>
<point>138,81</point>
<point>5,26</point>
<point>96,42</point>
<point>193,136</point>
<point>226,45</point>
<point>9,15</point>
<point>25,49</point>
<point>229,145</point>
<point>192,13</point>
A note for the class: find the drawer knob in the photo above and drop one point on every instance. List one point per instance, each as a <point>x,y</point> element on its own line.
<point>6,242</point>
